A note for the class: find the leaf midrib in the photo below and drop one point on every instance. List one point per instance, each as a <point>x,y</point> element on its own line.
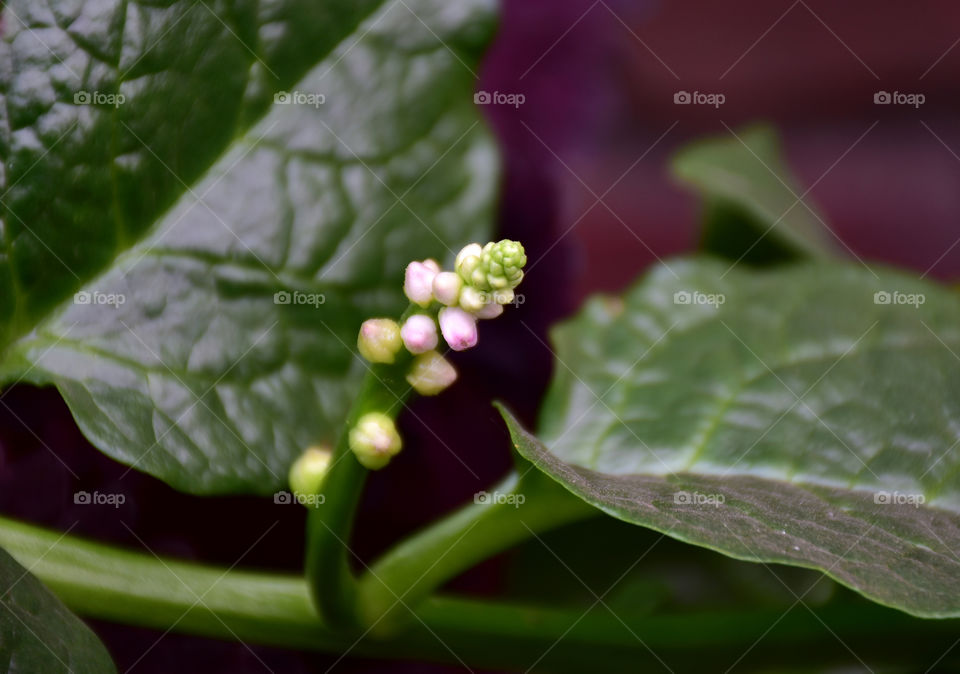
<point>727,400</point>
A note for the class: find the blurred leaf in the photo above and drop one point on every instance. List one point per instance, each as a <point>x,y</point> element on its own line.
<point>643,572</point>
<point>797,419</point>
<point>38,633</point>
<point>219,179</point>
<point>753,206</point>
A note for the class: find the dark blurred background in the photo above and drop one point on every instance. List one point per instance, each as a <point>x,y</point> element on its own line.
<point>586,189</point>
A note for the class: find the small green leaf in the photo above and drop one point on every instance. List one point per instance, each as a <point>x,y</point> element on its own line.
<point>754,209</point>
<point>38,633</point>
<point>808,416</point>
<point>228,225</point>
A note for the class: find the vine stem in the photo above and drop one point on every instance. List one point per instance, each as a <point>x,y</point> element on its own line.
<point>134,588</point>
<point>329,573</point>
<point>516,509</point>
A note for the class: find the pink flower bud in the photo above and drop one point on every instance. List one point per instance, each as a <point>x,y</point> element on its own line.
<point>446,288</point>
<point>459,328</point>
<point>418,282</point>
<point>489,310</point>
<point>419,334</point>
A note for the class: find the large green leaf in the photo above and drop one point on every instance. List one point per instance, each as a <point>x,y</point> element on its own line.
<point>38,633</point>
<point>755,210</point>
<point>796,419</point>
<point>201,196</point>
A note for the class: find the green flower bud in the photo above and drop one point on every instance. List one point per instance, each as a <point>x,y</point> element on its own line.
<point>374,440</point>
<point>470,250</point>
<point>502,263</point>
<point>468,262</point>
<point>472,299</point>
<point>431,373</point>
<point>503,296</point>
<point>496,266</point>
<point>379,340</point>
<point>307,472</point>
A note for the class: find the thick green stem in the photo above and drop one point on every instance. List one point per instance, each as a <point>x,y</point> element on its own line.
<point>513,511</point>
<point>329,559</point>
<point>276,609</point>
<point>129,587</point>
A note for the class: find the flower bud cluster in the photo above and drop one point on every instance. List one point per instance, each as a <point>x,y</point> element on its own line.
<point>483,280</point>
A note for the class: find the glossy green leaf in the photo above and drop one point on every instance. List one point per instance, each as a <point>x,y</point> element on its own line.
<point>307,148</point>
<point>38,633</point>
<point>809,416</point>
<point>755,210</point>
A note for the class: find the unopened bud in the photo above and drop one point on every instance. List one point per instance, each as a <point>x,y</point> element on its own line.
<point>459,328</point>
<point>379,340</point>
<point>374,440</point>
<point>472,249</point>
<point>489,310</point>
<point>503,296</point>
<point>496,266</point>
<point>307,472</point>
<point>419,333</point>
<point>468,263</point>
<point>446,288</point>
<point>502,263</point>
<point>472,300</point>
<point>418,281</point>
<point>431,373</point>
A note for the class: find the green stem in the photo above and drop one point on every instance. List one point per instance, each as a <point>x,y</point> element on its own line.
<point>275,609</point>
<point>515,510</point>
<point>134,588</point>
<point>328,561</point>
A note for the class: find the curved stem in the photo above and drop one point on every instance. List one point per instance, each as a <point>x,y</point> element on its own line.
<point>106,582</point>
<point>328,563</point>
<point>516,509</point>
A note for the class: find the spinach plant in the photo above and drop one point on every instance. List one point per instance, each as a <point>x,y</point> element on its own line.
<point>185,183</point>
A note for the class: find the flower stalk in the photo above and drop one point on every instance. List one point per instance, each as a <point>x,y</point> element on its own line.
<point>402,356</point>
